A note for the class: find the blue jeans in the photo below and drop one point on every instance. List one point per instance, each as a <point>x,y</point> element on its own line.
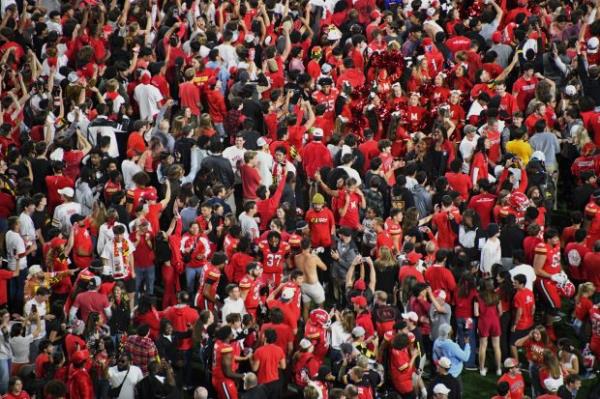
<point>192,274</point>
<point>4,375</point>
<point>220,130</point>
<point>16,292</point>
<point>144,275</point>
<point>461,331</point>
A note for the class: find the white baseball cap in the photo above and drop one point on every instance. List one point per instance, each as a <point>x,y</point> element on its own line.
<point>444,362</point>
<point>67,192</point>
<point>592,45</point>
<point>552,384</point>
<point>441,389</point>
<point>305,343</point>
<point>287,293</point>
<point>316,132</point>
<point>412,316</point>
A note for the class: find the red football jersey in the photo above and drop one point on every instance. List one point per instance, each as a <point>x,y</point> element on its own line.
<point>220,349</point>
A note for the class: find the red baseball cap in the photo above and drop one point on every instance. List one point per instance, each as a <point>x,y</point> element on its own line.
<point>413,257</point>
<point>57,242</point>
<point>360,285</point>
<point>360,301</point>
<point>497,37</point>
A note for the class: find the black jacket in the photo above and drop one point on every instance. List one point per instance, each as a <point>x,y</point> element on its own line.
<point>220,168</point>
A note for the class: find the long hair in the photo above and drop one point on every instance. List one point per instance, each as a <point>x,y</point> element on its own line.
<point>552,364</point>
<point>466,284</point>
<point>489,296</point>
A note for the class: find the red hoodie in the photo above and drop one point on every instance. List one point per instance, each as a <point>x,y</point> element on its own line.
<point>182,317</point>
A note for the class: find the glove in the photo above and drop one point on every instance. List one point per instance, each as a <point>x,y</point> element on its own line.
<point>557,278</point>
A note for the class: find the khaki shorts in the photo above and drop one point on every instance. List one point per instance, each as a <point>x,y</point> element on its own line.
<point>313,292</point>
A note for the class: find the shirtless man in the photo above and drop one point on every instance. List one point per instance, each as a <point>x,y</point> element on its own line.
<point>312,290</point>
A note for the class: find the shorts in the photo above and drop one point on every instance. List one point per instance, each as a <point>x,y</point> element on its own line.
<point>518,334</point>
<point>489,328</point>
<point>549,291</point>
<point>129,284</point>
<point>226,389</point>
<point>313,292</point>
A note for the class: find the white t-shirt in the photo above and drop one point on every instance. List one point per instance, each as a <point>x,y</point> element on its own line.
<point>115,378</point>
<point>129,168</point>
<point>231,306</point>
<point>117,265</point>
<point>265,168</point>
<point>234,155</point>
<point>62,216</point>
<point>339,335</point>
<point>248,225</point>
<point>15,249</point>
<point>525,270</point>
<point>20,348</point>
<point>105,235</point>
<point>27,229</point>
<point>147,97</point>
<point>467,148</point>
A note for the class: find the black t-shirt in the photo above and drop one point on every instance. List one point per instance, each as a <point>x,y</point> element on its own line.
<point>41,221</point>
<point>41,169</point>
<point>386,279</point>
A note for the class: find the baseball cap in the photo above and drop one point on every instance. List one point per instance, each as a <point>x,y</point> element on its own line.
<point>262,141</point>
<point>57,242</point>
<point>412,316</point>
<point>592,45</point>
<point>67,192</point>
<point>360,285</point>
<point>34,269</point>
<point>570,90</point>
<point>359,300</point>
<point>510,362</point>
<point>439,294</point>
<point>413,257</point>
<point>441,389</point>
<point>317,132</point>
<point>496,37</point>
<point>287,293</point>
<point>305,343</point>
<point>444,363</point>
<point>344,231</point>
<point>358,332</point>
<point>79,357</point>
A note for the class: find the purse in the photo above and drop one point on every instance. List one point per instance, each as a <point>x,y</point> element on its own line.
<point>115,392</point>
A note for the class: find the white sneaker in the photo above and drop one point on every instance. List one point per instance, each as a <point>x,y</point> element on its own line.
<point>483,372</point>
<point>498,372</point>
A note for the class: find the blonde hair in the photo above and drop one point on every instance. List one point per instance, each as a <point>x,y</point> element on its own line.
<point>585,288</point>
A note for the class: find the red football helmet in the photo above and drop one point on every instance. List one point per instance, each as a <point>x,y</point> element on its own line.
<point>319,317</point>
<point>519,201</point>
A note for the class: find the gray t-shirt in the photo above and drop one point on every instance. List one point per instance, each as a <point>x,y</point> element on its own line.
<point>438,318</point>
<point>547,143</point>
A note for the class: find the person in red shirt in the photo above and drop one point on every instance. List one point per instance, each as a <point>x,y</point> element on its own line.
<point>321,223</point>
<point>275,253</point>
<point>268,202</point>
<point>393,225</point>
<point>402,364</point>
<point>56,182</point>
<point>524,87</point>
<point>250,176</point>
<point>326,96</point>
<point>547,265</point>
<point>189,93</point>
<point>410,267</point>
<point>223,376</point>
<point>575,253</point>
<point>43,358</point>
<point>316,331</point>
<point>305,363</point>
<point>446,222</point>
<point>315,154</point>
<point>143,255</point>
<point>182,317</point>
<point>439,277</point>
<point>513,378</point>
<point>458,181</point>
<point>250,286</point>
<point>285,335</point>
<point>266,362</point>
<point>142,188</point>
<point>363,317</point>
<point>288,302</point>
<point>524,309</point>
<point>383,239</point>
<point>79,382</point>
<point>483,203</point>
<point>591,265</point>
<point>207,289</point>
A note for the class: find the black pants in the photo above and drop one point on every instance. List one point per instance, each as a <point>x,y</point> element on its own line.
<point>274,388</point>
<point>505,321</point>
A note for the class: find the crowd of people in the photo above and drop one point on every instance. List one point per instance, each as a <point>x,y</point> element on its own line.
<point>310,199</point>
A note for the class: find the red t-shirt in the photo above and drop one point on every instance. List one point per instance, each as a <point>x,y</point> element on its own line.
<point>464,305</point>
<point>460,183</point>
<point>516,384</point>
<point>525,301</point>
<point>250,181</point>
<point>441,278</point>
<point>144,254</point>
<point>524,91</point>
<point>321,224</point>
<point>235,270</point>
<point>269,356</point>
<point>285,335</point>
<point>72,160</point>
<point>40,362</point>
<point>91,301</point>
<point>55,183</point>
<point>582,308</point>
<point>82,240</point>
<point>483,204</point>
<point>5,275</point>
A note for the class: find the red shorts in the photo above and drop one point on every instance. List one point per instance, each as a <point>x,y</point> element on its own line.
<point>489,327</point>
<point>226,389</point>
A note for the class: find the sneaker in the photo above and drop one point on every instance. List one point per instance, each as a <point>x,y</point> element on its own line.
<point>483,372</point>
<point>471,368</point>
<point>555,319</point>
<point>498,372</point>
